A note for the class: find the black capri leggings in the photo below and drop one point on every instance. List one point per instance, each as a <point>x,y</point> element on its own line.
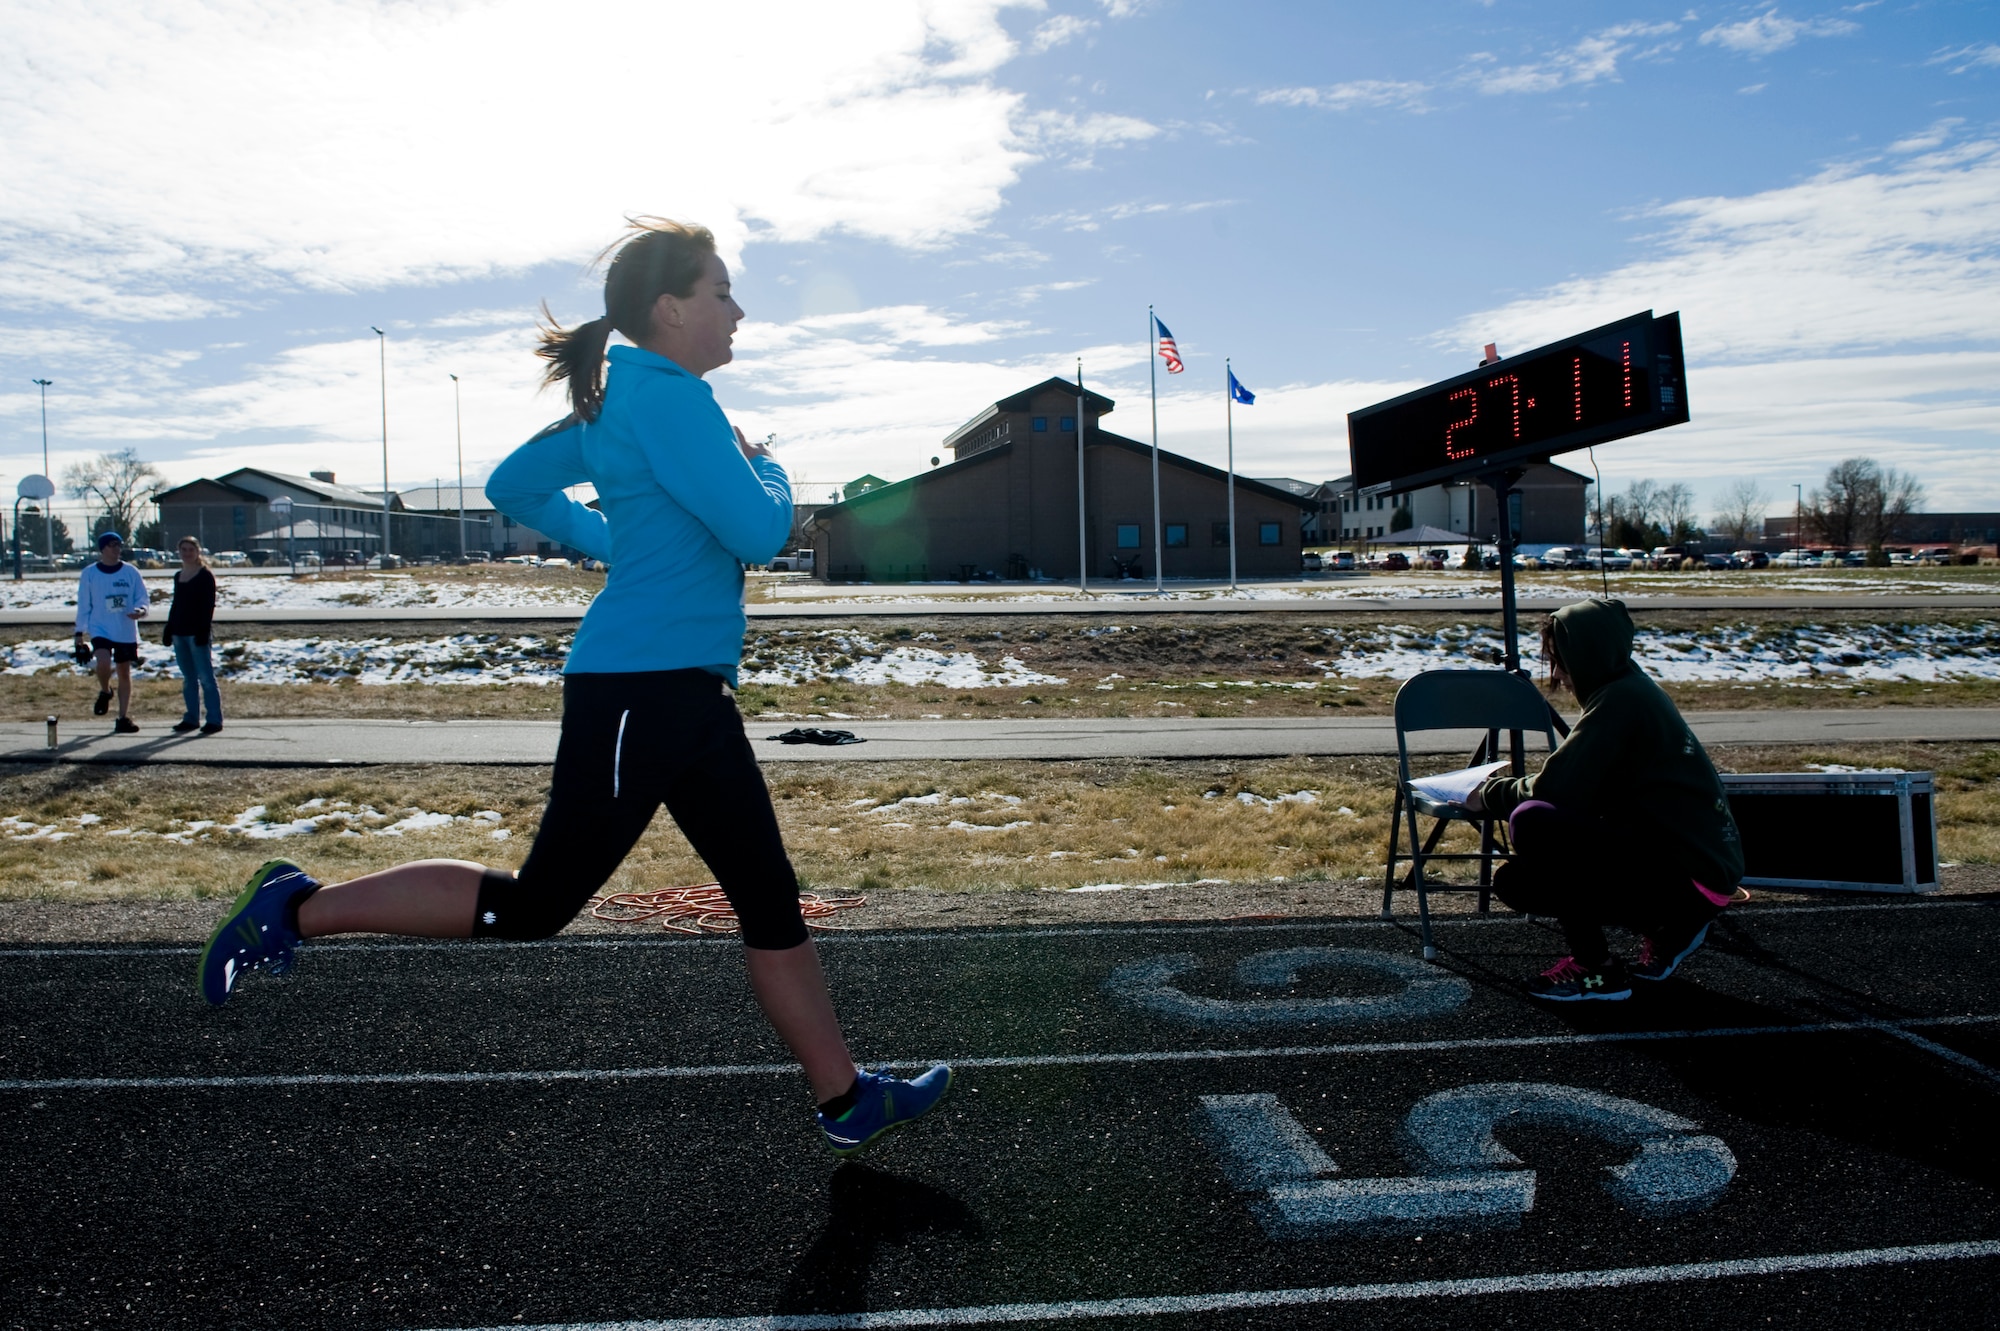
<point>630,743</point>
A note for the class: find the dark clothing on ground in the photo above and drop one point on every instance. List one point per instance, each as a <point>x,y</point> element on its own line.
<point>192,613</point>
<point>630,743</point>
<point>1589,872</point>
<point>1630,760</point>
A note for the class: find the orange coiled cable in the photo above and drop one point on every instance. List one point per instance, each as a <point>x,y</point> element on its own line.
<point>702,908</point>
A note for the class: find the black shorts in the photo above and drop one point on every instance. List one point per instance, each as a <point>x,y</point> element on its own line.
<point>630,743</point>
<point>120,651</point>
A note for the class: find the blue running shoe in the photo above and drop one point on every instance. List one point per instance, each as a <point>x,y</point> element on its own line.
<point>883,1104</point>
<point>254,935</point>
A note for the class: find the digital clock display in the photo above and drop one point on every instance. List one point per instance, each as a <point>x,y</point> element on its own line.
<point>1618,380</point>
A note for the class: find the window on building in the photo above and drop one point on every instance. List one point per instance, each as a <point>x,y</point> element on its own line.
<point>1040,425</point>
<point>1218,534</point>
<point>1128,536</point>
<point>1067,425</point>
<point>1177,535</point>
<point>1270,533</point>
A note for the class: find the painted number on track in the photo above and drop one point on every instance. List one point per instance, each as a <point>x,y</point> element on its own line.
<point>1420,990</point>
<point>1464,1178</point>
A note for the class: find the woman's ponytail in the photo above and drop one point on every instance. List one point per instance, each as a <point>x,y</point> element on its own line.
<point>576,358</point>
<point>663,259</point>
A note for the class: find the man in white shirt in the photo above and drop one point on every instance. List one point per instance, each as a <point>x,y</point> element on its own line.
<point>110,602</point>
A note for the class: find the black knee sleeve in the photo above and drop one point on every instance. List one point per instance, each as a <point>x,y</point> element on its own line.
<point>510,908</point>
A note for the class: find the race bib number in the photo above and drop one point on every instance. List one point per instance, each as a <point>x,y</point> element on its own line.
<point>114,602</point>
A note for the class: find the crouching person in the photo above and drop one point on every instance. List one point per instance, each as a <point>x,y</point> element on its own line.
<point>1626,823</point>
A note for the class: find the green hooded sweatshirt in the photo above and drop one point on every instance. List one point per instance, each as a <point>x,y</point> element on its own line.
<point>1630,758</point>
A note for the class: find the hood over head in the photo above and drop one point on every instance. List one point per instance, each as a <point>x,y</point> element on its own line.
<point>1594,640</point>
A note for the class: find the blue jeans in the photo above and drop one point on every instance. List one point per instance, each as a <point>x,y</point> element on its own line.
<point>197,669</point>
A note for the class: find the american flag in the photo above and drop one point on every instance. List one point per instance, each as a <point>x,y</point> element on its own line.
<point>1168,351</point>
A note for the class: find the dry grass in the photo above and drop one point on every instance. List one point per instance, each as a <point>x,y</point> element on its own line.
<point>1083,823</point>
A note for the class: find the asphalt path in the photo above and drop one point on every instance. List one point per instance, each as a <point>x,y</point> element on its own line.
<point>1113,604</point>
<point>1254,1125</point>
<point>323,743</point>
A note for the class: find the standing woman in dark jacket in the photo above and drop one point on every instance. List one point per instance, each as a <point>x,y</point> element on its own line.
<point>188,628</point>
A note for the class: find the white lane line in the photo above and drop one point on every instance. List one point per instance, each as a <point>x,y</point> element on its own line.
<point>1539,1282</point>
<point>824,936</point>
<point>1135,1057</point>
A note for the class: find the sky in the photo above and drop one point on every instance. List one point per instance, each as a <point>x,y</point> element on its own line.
<point>929,204</point>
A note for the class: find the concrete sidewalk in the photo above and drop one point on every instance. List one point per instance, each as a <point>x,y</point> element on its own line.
<point>329,743</point>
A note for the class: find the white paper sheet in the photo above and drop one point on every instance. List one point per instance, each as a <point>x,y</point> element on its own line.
<point>1455,787</point>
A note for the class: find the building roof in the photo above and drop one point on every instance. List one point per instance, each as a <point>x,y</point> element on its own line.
<point>444,499</point>
<point>1303,489</point>
<point>173,496</point>
<point>1093,403</point>
<point>268,484</point>
<point>1347,482</point>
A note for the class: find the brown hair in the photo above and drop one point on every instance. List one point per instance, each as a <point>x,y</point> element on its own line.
<point>1551,654</point>
<point>199,557</point>
<point>664,258</point>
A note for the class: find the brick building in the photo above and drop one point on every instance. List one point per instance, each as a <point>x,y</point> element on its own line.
<point>1005,506</point>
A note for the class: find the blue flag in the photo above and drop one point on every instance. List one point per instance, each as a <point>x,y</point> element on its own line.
<point>1239,392</point>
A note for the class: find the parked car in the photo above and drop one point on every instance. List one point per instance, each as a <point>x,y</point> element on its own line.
<point>591,565</point>
<point>1599,557</point>
<point>230,559</point>
<point>1560,556</point>
<point>1718,561</point>
<point>1752,559</point>
<point>798,561</point>
<point>1342,561</point>
<point>1669,556</point>
<point>1309,561</point>
<point>476,557</point>
<point>1395,562</point>
<point>387,561</point>
<point>519,559</point>
<point>552,562</point>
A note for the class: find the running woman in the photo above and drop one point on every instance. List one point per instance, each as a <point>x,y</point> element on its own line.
<point>648,718</point>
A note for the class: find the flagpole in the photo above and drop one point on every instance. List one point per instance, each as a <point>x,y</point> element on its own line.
<point>1082,539</point>
<point>1229,401</point>
<point>1153,377</point>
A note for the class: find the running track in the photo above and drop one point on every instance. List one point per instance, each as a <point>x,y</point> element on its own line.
<point>1248,1124</point>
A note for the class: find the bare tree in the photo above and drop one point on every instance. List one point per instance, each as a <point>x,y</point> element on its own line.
<point>1741,516</point>
<point>1862,503</point>
<point>119,482</point>
<point>1640,504</point>
<point>1676,512</point>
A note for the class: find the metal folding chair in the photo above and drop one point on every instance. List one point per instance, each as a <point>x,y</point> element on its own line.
<point>1494,701</point>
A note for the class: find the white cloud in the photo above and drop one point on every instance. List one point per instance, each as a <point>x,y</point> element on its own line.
<point>230,154</point>
<point>1849,260</point>
<point>1984,55</point>
<point>1769,32</point>
<point>1593,59</point>
<point>1934,137</point>
<point>1061,29</point>
<point>1362,94</point>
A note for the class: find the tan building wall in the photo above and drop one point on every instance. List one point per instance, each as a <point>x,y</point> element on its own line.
<point>1007,507</point>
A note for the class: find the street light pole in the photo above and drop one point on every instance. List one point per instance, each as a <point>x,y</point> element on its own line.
<point>458,418</point>
<point>382,345</point>
<point>48,510</point>
<point>1798,512</point>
